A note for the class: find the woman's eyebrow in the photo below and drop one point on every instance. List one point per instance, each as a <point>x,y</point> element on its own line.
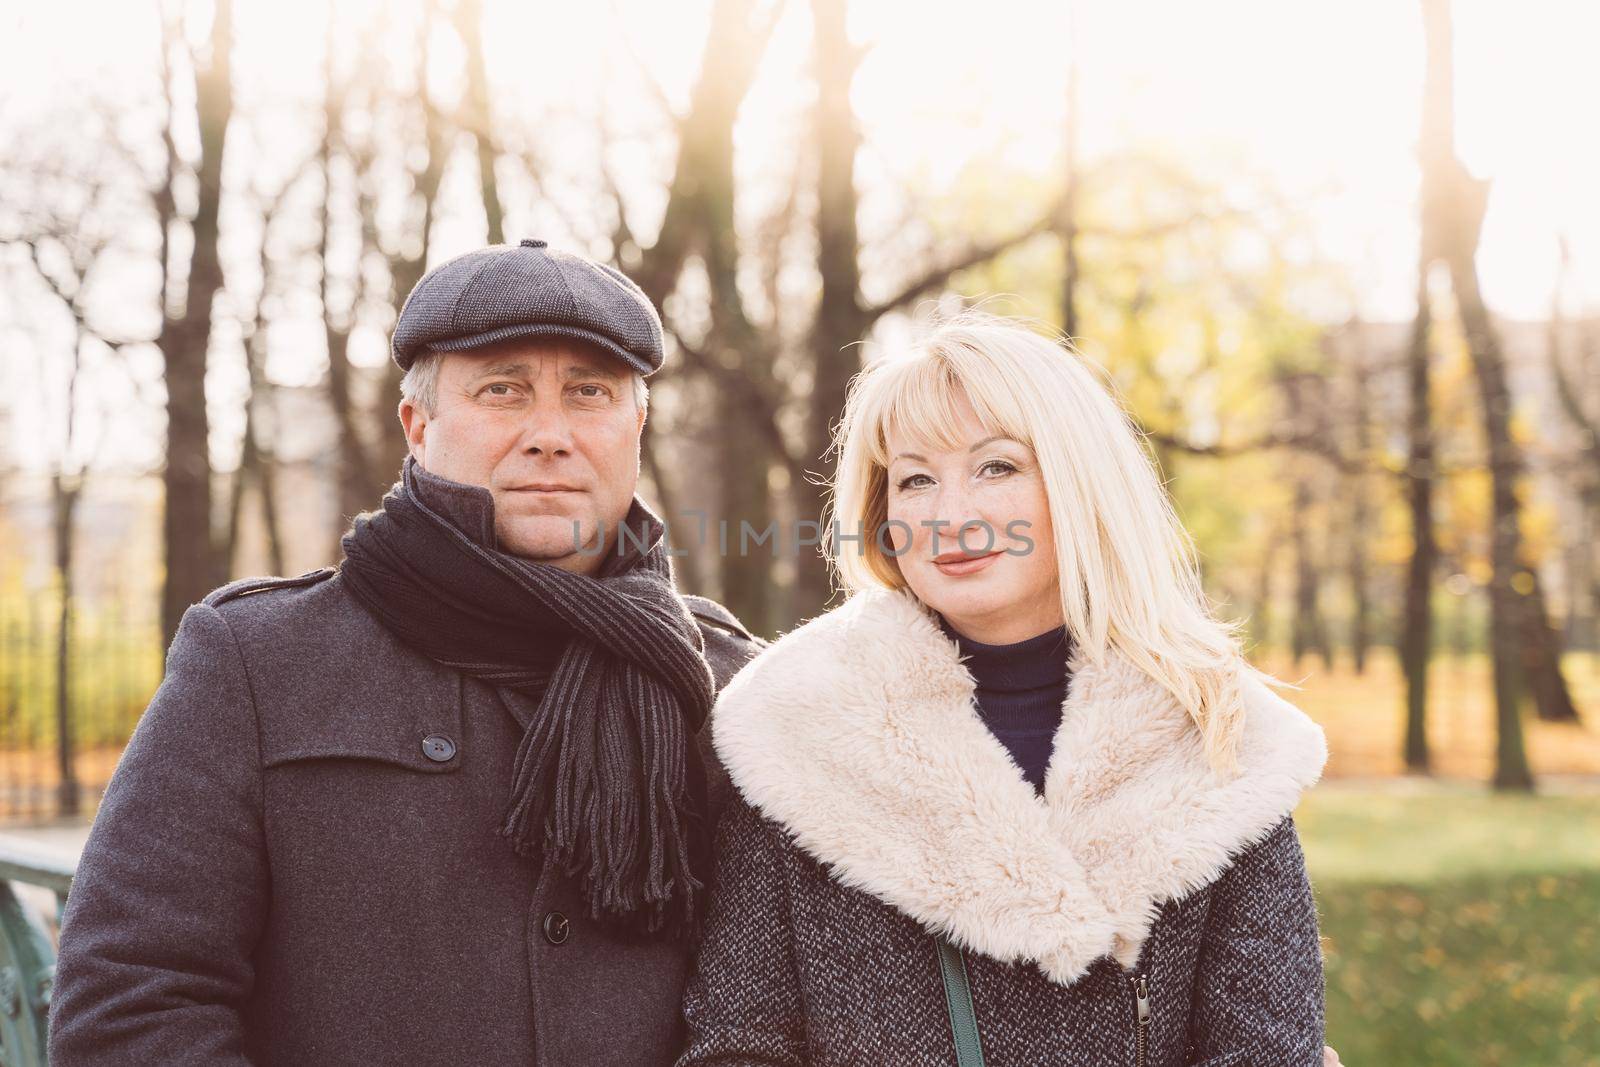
<point>974,448</point>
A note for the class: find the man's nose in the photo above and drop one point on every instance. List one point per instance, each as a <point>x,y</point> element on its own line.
<point>548,431</point>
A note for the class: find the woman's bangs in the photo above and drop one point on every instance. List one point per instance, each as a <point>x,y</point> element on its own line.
<point>919,403</point>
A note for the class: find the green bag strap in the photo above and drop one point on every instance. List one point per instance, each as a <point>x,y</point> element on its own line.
<point>958,997</point>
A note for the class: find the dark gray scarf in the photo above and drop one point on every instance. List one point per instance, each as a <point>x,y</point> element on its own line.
<point>607,782</point>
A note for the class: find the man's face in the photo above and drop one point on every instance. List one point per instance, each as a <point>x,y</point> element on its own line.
<point>551,428</point>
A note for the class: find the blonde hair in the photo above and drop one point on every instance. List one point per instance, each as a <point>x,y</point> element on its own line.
<point>1127,568</point>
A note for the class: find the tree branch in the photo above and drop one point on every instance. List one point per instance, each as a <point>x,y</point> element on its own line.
<point>940,276</point>
<point>744,384</point>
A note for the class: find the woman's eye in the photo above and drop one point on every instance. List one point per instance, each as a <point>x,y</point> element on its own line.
<point>909,481</point>
<point>998,465</point>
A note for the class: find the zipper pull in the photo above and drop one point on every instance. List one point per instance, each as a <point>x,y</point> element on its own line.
<point>1141,1030</point>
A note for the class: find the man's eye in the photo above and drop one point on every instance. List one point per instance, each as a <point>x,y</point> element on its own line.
<point>499,389</point>
<point>599,391</point>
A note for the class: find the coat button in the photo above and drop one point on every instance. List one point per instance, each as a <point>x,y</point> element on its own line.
<point>556,928</point>
<point>439,748</point>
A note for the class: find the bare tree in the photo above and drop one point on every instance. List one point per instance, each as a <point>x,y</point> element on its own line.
<point>736,38</point>
<point>407,258</point>
<point>476,115</point>
<point>1569,389</point>
<point>1262,609</point>
<point>841,320</point>
<point>63,257</point>
<point>735,355</point>
<point>1416,635</point>
<point>257,463</point>
<point>355,471</point>
<point>192,563</point>
<point>1305,403</point>
<point>1459,202</point>
<point>1067,225</point>
<point>1358,374</point>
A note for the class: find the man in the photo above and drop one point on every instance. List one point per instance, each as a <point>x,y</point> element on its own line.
<point>450,802</point>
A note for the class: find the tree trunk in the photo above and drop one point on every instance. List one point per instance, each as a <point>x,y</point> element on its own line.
<point>700,218</point>
<point>1067,226</point>
<point>248,461</point>
<point>1261,614</point>
<point>1306,630</point>
<point>64,498</point>
<point>685,564</point>
<point>1581,628</point>
<point>1459,202</point>
<point>840,320</point>
<point>1541,652</point>
<point>1526,625</point>
<point>1531,639</point>
<point>746,567</point>
<point>1416,635</point>
<point>255,463</point>
<point>479,114</point>
<point>748,562</point>
<point>405,271</point>
<point>256,469</point>
<point>268,474</point>
<point>1360,511</point>
<point>1570,392</point>
<point>192,567</point>
<point>354,473</point>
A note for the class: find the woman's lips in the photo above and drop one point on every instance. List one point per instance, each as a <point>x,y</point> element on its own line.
<point>967,565</point>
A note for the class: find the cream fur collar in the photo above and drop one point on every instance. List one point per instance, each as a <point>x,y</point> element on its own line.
<point>857,733</point>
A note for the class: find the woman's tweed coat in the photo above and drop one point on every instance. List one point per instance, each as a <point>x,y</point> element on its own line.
<point>875,808</point>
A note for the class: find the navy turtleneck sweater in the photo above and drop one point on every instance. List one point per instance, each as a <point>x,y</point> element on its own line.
<point>1020,690</point>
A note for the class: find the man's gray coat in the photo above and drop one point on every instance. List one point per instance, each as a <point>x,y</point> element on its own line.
<point>297,862</point>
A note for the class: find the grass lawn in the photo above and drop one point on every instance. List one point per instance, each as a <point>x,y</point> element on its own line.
<point>1460,927</point>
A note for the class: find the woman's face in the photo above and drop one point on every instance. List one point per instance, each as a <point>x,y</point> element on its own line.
<point>970,529</point>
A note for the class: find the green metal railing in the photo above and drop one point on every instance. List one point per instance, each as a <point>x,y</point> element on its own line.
<point>27,951</point>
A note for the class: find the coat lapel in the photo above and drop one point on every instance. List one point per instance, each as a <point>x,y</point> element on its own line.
<point>857,733</point>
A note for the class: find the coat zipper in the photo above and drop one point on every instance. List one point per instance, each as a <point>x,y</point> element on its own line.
<point>1141,1026</point>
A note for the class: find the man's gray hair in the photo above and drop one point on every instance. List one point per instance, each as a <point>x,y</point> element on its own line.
<point>421,383</point>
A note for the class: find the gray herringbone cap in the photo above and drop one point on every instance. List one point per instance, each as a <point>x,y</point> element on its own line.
<point>527,290</point>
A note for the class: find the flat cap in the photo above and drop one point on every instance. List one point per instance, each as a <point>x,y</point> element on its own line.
<point>527,290</point>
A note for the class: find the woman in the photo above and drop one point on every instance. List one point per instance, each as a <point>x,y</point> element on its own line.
<point>1020,800</point>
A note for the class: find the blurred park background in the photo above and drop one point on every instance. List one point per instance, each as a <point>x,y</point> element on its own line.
<point>1342,262</point>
